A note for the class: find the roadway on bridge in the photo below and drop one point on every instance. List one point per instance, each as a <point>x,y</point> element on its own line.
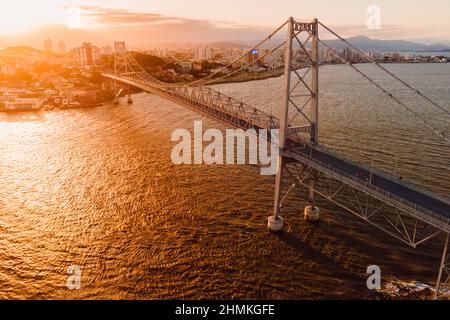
<point>392,185</point>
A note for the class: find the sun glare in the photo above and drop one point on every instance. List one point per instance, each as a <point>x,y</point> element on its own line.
<point>21,16</point>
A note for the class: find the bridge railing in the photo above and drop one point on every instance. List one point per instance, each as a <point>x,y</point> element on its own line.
<point>213,98</point>
<point>419,212</point>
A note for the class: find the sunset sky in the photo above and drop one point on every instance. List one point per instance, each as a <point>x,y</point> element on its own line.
<point>224,20</point>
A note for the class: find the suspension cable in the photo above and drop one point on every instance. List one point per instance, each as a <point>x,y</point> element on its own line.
<point>201,81</point>
<point>437,132</point>
<point>242,68</point>
<point>267,38</point>
<point>368,58</point>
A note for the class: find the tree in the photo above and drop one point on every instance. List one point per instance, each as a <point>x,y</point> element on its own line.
<point>22,75</point>
<point>96,77</point>
<point>148,61</point>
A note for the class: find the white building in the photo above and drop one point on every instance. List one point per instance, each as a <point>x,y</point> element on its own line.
<point>273,60</point>
<point>202,54</point>
<point>8,70</point>
<point>108,50</point>
<point>185,65</point>
<point>61,48</point>
<point>48,45</point>
<point>88,55</point>
<point>24,104</point>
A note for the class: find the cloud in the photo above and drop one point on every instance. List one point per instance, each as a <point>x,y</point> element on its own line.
<point>141,28</point>
<point>108,17</point>
<point>112,17</point>
<point>103,25</point>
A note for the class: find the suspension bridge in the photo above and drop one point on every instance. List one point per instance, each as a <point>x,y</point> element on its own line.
<point>410,214</point>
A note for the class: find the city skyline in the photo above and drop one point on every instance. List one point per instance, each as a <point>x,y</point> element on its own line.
<point>144,23</point>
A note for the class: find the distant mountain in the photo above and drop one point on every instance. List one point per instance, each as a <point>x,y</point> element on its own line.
<point>193,45</point>
<point>228,45</point>
<point>167,37</point>
<point>367,44</point>
<point>19,50</point>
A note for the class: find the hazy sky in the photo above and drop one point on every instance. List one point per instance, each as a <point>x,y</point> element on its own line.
<point>400,19</point>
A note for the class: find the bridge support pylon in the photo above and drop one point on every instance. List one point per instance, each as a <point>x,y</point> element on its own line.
<point>130,100</point>
<point>309,55</point>
<point>312,212</point>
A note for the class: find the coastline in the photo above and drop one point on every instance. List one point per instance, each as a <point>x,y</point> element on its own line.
<point>238,78</point>
<point>247,77</point>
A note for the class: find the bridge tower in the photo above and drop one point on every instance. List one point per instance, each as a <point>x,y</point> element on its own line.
<point>303,41</point>
<point>122,65</point>
<point>301,159</point>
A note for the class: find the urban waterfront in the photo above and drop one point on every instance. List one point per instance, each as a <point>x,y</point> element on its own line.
<point>96,188</point>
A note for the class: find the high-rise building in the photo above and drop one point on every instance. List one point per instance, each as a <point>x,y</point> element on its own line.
<point>61,47</point>
<point>48,45</point>
<point>108,50</point>
<point>198,55</point>
<point>209,54</point>
<point>203,54</point>
<point>348,55</point>
<point>252,56</point>
<point>88,55</point>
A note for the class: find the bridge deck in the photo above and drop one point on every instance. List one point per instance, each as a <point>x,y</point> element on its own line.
<point>379,180</point>
<point>412,197</point>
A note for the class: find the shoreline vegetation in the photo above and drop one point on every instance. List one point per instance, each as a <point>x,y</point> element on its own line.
<point>247,77</point>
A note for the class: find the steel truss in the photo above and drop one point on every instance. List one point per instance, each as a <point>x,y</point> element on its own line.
<point>299,96</point>
<point>403,221</point>
<point>298,124</point>
<point>400,223</point>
